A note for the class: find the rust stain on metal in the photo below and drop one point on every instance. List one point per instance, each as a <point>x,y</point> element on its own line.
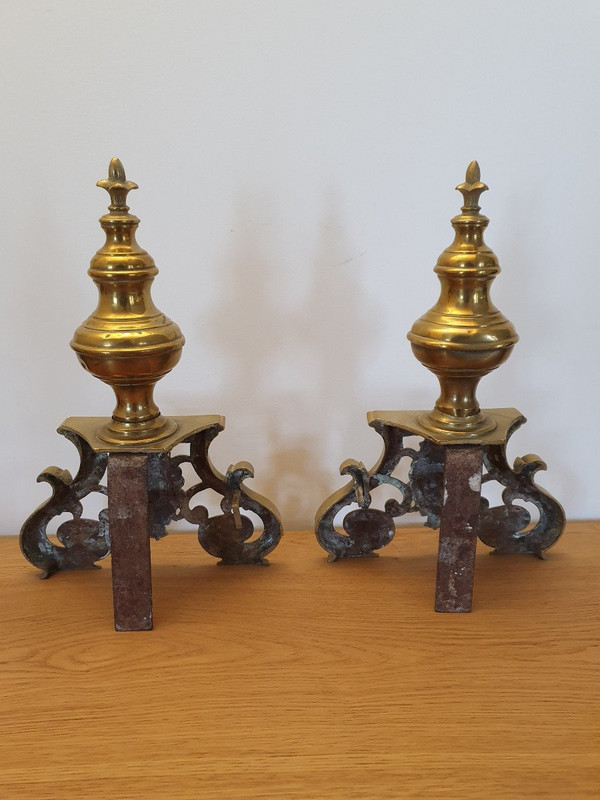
<point>128,518</point>
<point>458,528</point>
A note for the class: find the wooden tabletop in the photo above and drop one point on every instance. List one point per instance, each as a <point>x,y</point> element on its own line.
<point>305,680</point>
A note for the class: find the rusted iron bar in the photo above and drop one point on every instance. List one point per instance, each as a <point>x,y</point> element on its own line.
<point>458,528</point>
<point>128,520</point>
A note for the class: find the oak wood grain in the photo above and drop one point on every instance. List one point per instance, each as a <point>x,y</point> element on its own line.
<point>306,679</point>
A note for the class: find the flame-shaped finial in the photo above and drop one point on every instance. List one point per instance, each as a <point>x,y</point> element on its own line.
<point>117,186</point>
<point>472,188</point>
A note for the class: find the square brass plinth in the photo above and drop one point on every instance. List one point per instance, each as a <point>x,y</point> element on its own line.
<point>88,427</point>
<point>506,420</point>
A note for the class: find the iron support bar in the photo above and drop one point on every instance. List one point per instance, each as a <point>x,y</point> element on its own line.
<point>458,528</point>
<point>128,519</point>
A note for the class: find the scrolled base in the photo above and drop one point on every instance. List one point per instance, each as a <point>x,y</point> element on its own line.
<point>227,536</point>
<point>507,528</point>
<point>82,541</point>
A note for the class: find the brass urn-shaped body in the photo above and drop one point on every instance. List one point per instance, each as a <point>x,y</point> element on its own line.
<point>127,342</point>
<point>464,336</point>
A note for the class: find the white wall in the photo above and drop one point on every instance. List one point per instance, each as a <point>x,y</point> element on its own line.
<point>296,163</point>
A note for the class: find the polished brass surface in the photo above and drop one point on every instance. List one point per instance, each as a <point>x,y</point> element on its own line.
<point>127,342</point>
<point>464,336</point>
<point>503,421</point>
<point>89,429</point>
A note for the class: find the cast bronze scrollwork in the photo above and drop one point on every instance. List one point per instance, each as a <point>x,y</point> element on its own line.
<point>508,528</point>
<point>228,535</point>
<point>82,541</point>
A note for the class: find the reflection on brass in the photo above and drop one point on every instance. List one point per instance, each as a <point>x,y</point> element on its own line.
<point>463,337</point>
<point>127,342</point>
<point>505,420</point>
<point>88,429</point>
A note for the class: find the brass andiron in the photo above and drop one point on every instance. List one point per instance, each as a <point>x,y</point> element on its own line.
<point>129,344</point>
<point>460,339</point>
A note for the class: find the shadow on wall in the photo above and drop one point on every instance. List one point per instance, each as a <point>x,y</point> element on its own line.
<point>290,365</point>
<point>540,319</point>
